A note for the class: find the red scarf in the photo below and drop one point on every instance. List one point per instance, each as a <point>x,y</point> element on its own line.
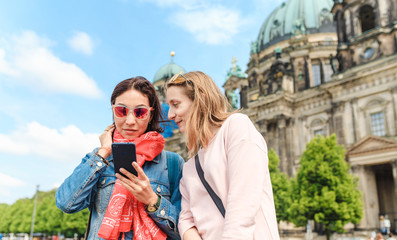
<point>124,213</point>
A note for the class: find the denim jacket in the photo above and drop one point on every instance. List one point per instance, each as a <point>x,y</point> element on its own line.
<point>91,185</point>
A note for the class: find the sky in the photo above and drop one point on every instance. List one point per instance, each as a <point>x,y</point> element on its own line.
<point>60,61</point>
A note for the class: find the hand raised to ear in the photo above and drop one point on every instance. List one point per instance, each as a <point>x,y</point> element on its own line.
<point>106,141</point>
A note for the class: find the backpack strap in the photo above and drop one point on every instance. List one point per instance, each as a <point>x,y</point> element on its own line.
<point>215,198</point>
<point>87,231</point>
<point>173,167</point>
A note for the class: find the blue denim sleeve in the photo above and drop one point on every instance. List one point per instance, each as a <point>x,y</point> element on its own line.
<point>167,214</point>
<point>78,189</point>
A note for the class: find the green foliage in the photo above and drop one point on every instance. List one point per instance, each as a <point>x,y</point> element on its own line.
<point>75,223</point>
<point>281,187</point>
<point>4,209</point>
<point>324,190</point>
<point>17,218</point>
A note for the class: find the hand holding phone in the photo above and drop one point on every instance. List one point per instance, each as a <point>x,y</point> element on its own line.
<point>123,156</point>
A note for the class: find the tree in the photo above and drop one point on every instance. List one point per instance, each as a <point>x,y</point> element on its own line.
<point>51,220</point>
<point>3,217</point>
<point>324,190</point>
<point>75,223</point>
<point>281,187</point>
<point>49,217</point>
<point>17,218</point>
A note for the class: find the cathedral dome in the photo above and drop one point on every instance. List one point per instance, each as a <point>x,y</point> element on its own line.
<point>294,17</point>
<point>168,70</point>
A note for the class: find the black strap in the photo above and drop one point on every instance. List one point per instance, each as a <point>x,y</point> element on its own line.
<point>215,198</point>
<point>87,231</point>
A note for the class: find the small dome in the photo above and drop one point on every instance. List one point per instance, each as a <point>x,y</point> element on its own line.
<point>235,70</point>
<point>294,17</point>
<point>167,71</point>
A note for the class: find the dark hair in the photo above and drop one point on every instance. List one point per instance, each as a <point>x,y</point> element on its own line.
<point>142,85</point>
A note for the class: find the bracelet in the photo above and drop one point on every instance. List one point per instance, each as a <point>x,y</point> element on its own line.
<point>154,207</point>
<point>106,162</point>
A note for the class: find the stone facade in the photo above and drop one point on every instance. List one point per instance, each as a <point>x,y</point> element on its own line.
<point>374,162</point>
<point>342,82</point>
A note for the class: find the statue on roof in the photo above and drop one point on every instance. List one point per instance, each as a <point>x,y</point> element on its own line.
<point>233,98</point>
<point>254,47</point>
<point>235,70</point>
<point>298,27</point>
<point>234,63</point>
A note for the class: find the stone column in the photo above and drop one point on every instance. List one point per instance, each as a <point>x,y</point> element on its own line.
<point>291,147</point>
<point>367,185</point>
<point>393,92</point>
<point>244,97</point>
<point>282,143</point>
<point>330,115</point>
<point>353,102</point>
<point>262,127</point>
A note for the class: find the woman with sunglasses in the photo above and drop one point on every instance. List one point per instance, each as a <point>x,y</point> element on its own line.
<point>139,208</point>
<point>233,159</point>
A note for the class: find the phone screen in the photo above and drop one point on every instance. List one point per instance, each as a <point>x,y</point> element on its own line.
<point>123,156</point>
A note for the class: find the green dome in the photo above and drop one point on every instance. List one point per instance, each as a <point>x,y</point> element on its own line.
<point>294,17</point>
<point>167,71</point>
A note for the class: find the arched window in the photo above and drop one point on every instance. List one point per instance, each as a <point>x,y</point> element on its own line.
<point>367,18</point>
<point>375,111</point>
<point>318,127</point>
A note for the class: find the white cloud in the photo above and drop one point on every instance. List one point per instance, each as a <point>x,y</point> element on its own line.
<point>5,192</point>
<point>4,66</point>
<point>215,25</point>
<point>208,21</point>
<point>61,145</point>
<point>165,2</point>
<point>32,63</point>
<point>8,184</point>
<point>186,4</point>
<point>81,42</point>
<point>9,181</point>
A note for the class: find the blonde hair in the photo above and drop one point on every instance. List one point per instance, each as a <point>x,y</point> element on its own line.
<point>210,109</point>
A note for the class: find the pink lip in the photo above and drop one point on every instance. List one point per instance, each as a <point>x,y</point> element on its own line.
<point>129,130</point>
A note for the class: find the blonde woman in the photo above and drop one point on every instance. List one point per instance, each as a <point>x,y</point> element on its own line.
<point>233,157</point>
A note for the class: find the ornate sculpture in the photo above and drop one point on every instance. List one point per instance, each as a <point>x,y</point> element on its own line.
<point>254,47</point>
<point>233,98</point>
<point>252,81</point>
<point>298,28</point>
<point>301,76</point>
<point>332,60</point>
<point>262,88</point>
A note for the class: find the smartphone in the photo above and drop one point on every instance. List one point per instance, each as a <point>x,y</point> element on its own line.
<point>123,156</point>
